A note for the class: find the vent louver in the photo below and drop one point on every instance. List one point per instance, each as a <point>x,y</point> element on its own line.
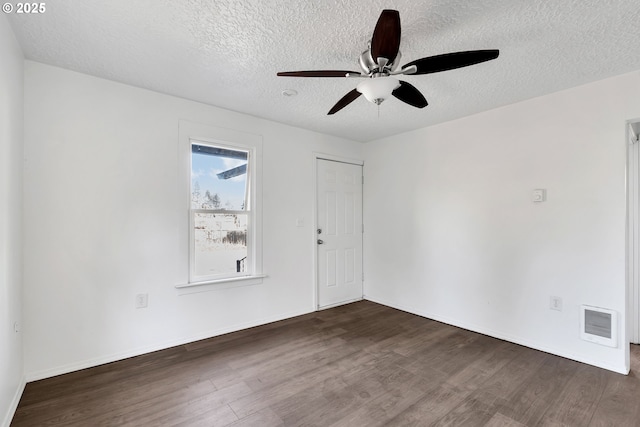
<point>598,325</point>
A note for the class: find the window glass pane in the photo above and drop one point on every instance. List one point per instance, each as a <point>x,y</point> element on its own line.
<point>218,178</point>
<point>220,243</point>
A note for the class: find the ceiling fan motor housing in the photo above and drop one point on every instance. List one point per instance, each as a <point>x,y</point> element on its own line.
<point>366,62</point>
<point>368,65</point>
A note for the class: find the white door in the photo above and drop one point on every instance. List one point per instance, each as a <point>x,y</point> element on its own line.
<point>339,237</point>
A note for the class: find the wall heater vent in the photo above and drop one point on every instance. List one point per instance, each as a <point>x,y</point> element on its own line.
<point>599,325</point>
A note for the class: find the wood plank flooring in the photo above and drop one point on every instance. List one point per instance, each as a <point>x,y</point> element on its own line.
<point>361,364</point>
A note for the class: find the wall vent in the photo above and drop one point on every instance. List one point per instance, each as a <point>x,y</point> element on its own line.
<point>599,325</point>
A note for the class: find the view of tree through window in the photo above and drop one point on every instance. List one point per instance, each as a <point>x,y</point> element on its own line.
<point>220,210</point>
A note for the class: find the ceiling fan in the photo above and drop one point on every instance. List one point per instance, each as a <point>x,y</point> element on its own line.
<point>381,62</point>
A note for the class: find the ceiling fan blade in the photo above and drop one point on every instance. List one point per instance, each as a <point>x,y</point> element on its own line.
<point>344,101</point>
<point>386,36</point>
<point>318,73</point>
<point>451,61</point>
<point>406,92</point>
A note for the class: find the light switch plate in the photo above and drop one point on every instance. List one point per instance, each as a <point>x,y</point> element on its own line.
<point>539,195</point>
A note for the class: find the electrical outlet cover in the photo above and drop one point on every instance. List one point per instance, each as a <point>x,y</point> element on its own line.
<point>142,300</point>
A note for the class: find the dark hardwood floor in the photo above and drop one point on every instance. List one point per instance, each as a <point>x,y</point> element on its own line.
<point>361,364</point>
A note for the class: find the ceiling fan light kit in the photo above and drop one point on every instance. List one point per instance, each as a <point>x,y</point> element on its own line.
<point>378,89</point>
<point>381,61</point>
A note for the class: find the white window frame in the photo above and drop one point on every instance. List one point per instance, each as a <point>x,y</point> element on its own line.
<point>194,133</point>
<point>249,264</point>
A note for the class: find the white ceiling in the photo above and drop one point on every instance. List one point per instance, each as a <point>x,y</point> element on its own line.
<point>227,52</point>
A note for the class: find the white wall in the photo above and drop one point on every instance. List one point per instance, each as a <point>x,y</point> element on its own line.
<point>104,220</point>
<point>11,155</point>
<point>452,233</point>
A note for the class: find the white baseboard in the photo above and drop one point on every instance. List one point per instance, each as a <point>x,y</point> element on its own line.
<point>89,363</point>
<point>14,403</point>
<point>500,335</point>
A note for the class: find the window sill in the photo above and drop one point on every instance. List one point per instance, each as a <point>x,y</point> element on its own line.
<point>230,282</point>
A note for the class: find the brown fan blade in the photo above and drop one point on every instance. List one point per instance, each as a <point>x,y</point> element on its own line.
<point>318,73</point>
<point>386,36</point>
<point>406,92</point>
<point>451,61</point>
<point>344,101</point>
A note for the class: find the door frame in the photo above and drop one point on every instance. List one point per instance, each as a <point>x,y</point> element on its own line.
<point>633,233</point>
<point>314,236</point>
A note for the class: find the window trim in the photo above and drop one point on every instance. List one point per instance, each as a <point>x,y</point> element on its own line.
<point>220,137</point>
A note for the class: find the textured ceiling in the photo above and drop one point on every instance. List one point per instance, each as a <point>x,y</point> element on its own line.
<point>227,52</point>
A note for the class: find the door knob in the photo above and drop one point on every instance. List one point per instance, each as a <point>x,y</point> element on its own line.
<point>320,241</point>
